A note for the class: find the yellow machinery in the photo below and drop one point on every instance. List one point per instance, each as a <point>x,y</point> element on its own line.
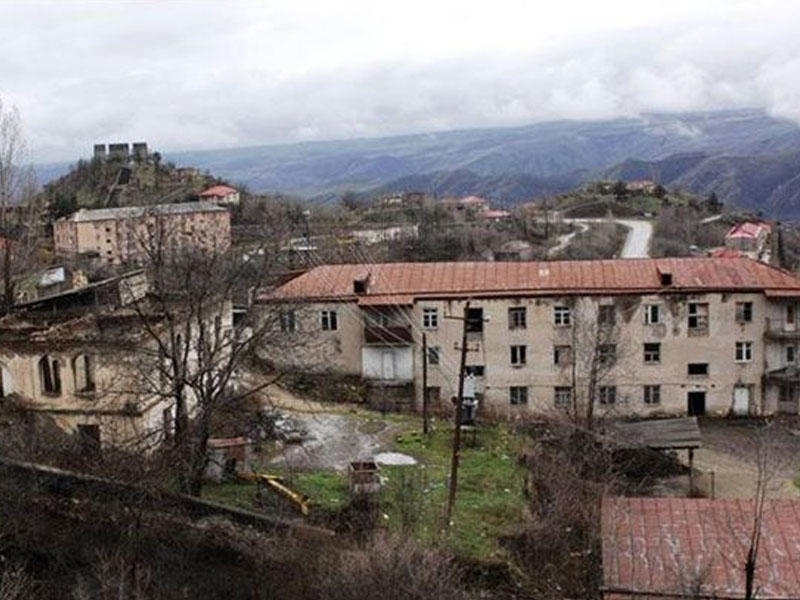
<point>273,483</point>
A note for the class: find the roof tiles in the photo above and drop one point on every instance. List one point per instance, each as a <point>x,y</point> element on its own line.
<point>659,547</point>
<point>488,279</point>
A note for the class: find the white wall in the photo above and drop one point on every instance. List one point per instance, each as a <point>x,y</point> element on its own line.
<point>377,360</point>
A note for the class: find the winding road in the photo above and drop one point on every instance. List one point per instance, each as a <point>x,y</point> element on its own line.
<point>637,243</point>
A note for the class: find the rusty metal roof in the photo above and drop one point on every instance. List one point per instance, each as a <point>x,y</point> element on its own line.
<point>491,279</point>
<point>665,547</point>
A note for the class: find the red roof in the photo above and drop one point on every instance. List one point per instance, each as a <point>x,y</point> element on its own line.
<point>494,214</point>
<point>218,191</point>
<point>656,547</point>
<point>497,279</point>
<point>748,230</point>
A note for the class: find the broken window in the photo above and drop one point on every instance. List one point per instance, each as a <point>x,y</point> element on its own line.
<point>433,355</point>
<point>518,395</point>
<point>329,320</point>
<point>562,397</point>
<point>561,315</point>
<point>698,317</point>
<point>83,372</point>
<point>652,394</point>
<point>606,314</point>
<point>652,353</point>
<point>517,317</point>
<point>475,320</point>
<point>562,355</point>
<point>288,321</point>
<point>518,355</point>
<point>607,394</point>
<point>652,314</point>
<point>697,369</point>
<point>744,312</point>
<point>49,375</point>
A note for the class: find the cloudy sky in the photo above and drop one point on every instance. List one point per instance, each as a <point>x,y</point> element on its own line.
<point>193,75</point>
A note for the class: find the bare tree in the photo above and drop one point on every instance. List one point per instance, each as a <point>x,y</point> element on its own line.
<point>18,210</point>
<point>596,347</point>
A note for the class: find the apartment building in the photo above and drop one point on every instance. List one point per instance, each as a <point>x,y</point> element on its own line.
<point>122,235</point>
<point>670,336</point>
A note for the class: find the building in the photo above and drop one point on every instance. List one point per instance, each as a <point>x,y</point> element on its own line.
<point>751,239</point>
<point>696,548</point>
<point>94,361</point>
<point>688,335</point>
<point>221,194</point>
<point>121,235</point>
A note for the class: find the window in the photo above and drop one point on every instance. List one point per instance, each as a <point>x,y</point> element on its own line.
<point>607,394</point>
<point>562,355</point>
<point>518,395</point>
<point>652,314</point>
<point>561,316</point>
<point>606,353</point>
<point>330,321</point>
<point>698,317</point>
<point>744,351</point>
<point>790,354</point>
<point>475,370</point>
<point>744,312</point>
<point>652,353</point>
<point>697,369</point>
<point>83,373</point>
<point>652,394</point>
<point>518,355</point>
<point>288,322</point>
<point>430,318</point>
<point>433,355</point>
<point>517,317</point>
<point>49,375</point>
<point>606,314</point>
<point>790,314</point>
<point>475,320</point>
<point>562,397</point>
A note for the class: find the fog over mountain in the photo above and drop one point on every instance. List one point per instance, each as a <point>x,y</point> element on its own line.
<point>747,157</point>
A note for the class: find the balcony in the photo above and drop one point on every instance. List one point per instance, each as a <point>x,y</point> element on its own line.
<point>779,329</point>
<point>388,335</point>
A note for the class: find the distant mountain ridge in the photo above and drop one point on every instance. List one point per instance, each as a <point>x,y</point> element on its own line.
<point>747,157</point>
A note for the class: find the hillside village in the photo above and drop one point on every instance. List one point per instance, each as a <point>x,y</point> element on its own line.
<point>435,381</point>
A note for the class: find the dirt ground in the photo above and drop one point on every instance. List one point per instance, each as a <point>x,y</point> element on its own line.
<point>730,450</point>
<point>336,434</point>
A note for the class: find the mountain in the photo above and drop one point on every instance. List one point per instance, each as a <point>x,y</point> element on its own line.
<point>746,156</point>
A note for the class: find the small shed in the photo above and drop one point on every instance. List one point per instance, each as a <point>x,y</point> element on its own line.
<point>227,457</point>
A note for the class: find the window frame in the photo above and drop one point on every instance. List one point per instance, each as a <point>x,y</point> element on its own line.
<point>434,355</point>
<point>607,395</point>
<point>606,315</point>
<point>701,319</point>
<point>518,395</point>
<point>651,394</point>
<point>649,311</point>
<point>430,318</point>
<point>652,355</point>
<point>517,317</point>
<point>744,312</point>
<point>562,396</point>
<point>288,321</point>
<point>562,316</point>
<point>519,355</point>
<point>329,320</point>
<point>743,352</point>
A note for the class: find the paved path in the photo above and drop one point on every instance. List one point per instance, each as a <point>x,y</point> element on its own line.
<point>637,243</point>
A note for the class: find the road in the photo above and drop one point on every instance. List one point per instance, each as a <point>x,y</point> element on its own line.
<point>637,243</point>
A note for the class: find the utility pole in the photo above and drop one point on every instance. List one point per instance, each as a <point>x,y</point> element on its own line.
<point>425,425</point>
<point>451,499</point>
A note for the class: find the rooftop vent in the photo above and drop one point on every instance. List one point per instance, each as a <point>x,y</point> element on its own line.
<point>361,284</point>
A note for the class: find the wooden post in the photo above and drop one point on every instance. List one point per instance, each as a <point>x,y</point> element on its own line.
<point>451,499</point>
<point>425,425</point>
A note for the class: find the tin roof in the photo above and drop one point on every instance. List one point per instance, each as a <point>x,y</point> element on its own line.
<point>497,279</point>
<point>133,212</point>
<point>664,547</point>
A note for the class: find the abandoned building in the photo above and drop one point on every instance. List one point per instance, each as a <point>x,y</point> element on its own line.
<point>122,235</point>
<point>86,360</point>
<point>659,336</point>
<point>224,195</point>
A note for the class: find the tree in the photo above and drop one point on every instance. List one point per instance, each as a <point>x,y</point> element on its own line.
<point>713,204</point>
<point>620,190</point>
<point>659,191</point>
<point>595,349</point>
<point>18,211</point>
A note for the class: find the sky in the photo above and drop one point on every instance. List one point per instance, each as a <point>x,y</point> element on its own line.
<point>190,75</point>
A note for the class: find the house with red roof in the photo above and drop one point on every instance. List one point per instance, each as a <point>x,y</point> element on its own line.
<point>658,548</point>
<point>224,195</point>
<point>751,239</point>
<point>691,336</point>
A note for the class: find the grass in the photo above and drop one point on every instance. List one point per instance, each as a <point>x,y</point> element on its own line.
<point>490,499</point>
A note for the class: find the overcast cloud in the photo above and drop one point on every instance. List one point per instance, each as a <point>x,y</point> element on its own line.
<point>193,75</point>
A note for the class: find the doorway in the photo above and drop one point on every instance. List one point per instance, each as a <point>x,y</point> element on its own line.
<point>696,404</point>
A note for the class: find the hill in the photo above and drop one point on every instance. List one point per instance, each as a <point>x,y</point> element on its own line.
<point>513,164</point>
